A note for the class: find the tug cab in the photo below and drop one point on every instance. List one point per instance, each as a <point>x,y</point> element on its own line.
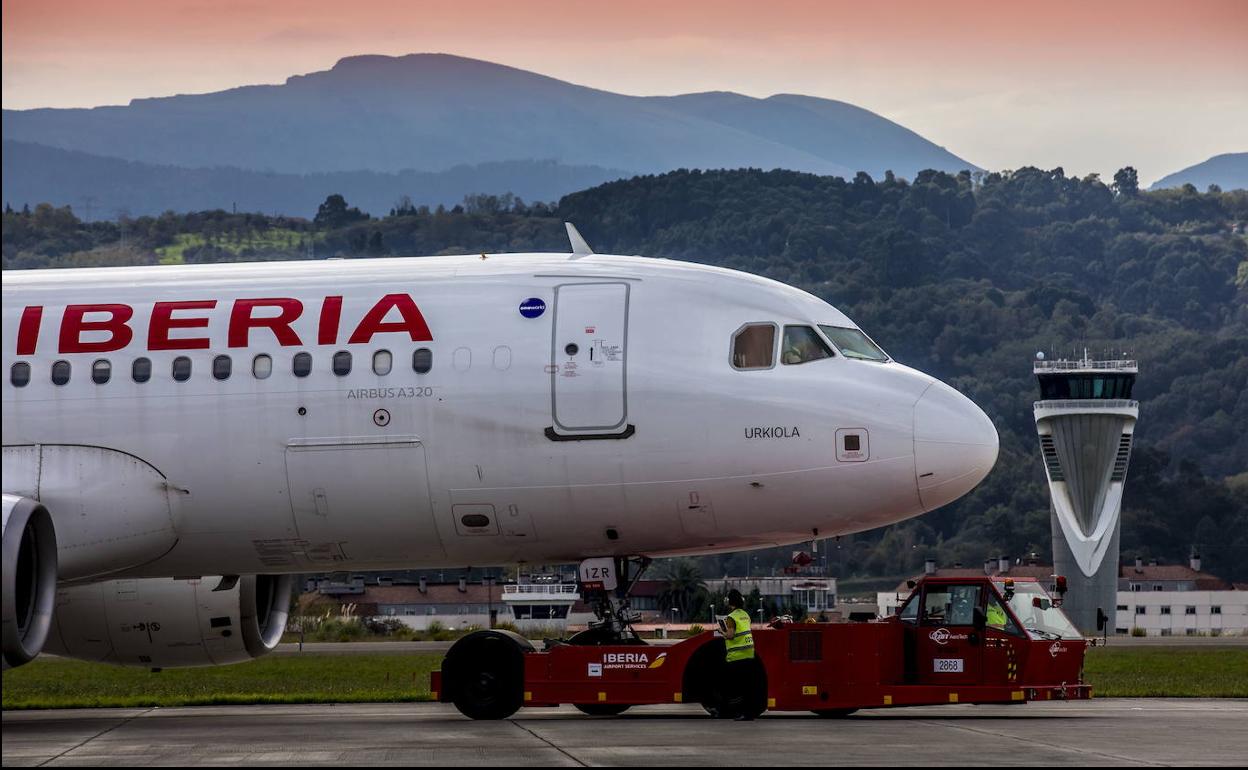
<point>979,631</point>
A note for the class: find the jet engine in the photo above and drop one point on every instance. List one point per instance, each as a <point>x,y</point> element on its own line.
<point>29,580</point>
<point>171,622</point>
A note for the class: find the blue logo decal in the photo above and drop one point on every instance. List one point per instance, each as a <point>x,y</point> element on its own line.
<point>532,307</point>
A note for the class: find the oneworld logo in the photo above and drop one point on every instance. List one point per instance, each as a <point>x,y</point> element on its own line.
<point>532,307</point>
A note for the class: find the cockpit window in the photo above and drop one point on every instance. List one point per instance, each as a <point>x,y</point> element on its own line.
<point>754,346</point>
<point>853,343</point>
<point>802,344</point>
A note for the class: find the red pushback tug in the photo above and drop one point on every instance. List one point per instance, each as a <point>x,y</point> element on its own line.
<point>955,640</point>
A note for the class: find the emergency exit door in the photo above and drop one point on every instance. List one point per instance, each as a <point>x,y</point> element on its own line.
<point>589,361</point>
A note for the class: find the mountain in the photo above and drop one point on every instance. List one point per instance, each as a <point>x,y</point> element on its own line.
<point>432,112</point>
<point>1228,171</point>
<point>35,173</point>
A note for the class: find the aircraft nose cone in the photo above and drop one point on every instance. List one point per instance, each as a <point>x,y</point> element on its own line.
<point>955,445</point>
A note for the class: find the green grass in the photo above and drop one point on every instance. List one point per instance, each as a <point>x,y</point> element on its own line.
<point>1122,672</point>
<point>389,677</point>
<point>274,238</point>
<point>281,678</point>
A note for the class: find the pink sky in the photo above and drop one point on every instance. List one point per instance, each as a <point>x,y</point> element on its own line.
<point>1090,86</point>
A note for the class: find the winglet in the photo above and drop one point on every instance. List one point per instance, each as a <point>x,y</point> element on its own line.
<point>579,247</point>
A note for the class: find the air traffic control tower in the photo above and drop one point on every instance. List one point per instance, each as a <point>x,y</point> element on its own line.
<point>1085,418</point>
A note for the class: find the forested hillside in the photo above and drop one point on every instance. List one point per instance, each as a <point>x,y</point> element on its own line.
<point>965,277</point>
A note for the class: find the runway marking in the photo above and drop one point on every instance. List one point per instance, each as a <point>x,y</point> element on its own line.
<point>1044,744</point>
<point>105,731</point>
<point>559,749</point>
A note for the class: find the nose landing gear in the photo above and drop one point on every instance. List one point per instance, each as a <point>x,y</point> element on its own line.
<point>605,584</point>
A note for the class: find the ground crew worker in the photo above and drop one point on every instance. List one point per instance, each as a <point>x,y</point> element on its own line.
<point>739,645</point>
<point>995,615</point>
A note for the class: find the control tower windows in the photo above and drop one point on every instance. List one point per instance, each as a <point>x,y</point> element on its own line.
<point>1086,385</point>
<point>801,344</point>
<point>754,347</point>
<point>853,343</point>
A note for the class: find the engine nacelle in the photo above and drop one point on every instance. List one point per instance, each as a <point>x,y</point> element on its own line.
<point>169,623</point>
<point>29,579</point>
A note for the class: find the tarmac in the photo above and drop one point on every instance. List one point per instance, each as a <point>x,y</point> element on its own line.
<point>1152,731</point>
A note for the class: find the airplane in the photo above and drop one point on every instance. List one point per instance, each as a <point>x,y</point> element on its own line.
<point>179,441</point>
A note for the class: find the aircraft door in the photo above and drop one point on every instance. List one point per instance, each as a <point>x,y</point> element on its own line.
<point>589,362</point>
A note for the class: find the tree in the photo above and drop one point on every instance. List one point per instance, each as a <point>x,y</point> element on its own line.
<point>1127,182</point>
<point>334,213</point>
<point>683,589</point>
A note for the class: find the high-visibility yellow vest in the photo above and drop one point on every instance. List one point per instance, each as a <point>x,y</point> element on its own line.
<point>740,646</point>
<point>996,616</point>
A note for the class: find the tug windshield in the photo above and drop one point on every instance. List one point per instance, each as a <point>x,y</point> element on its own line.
<point>1040,619</point>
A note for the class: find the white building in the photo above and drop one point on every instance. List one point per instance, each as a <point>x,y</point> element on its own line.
<point>815,594</point>
<point>1183,613</point>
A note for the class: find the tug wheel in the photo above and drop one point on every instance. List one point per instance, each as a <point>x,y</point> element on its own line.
<point>601,709</point>
<point>705,682</point>
<point>484,674</point>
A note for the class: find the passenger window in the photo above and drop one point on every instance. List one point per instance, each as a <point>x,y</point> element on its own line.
<point>382,362</point>
<point>181,369</point>
<point>301,364</point>
<point>141,369</point>
<point>261,367</point>
<point>754,347</point>
<point>101,371</point>
<point>422,360</point>
<point>19,374</point>
<point>802,344</point>
<point>221,367</point>
<point>60,372</point>
<point>342,363</point>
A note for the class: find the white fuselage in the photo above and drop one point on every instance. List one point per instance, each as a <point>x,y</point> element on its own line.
<point>612,422</point>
